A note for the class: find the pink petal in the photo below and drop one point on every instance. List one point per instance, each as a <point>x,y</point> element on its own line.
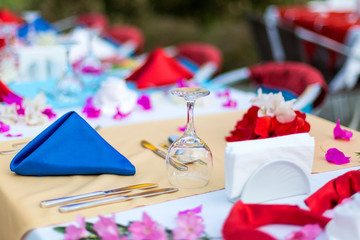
<point>12,98</point>
<point>226,93</point>
<point>90,110</point>
<point>145,102</point>
<point>119,115</point>
<point>341,133</point>
<point>230,104</point>
<point>308,232</point>
<point>335,156</point>
<point>191,211</point>
<point>182,129</point>
<point>13,135</point>
<point>49,113</point>
<point>4,128</point>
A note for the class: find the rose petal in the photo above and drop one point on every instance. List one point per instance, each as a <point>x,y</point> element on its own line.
<point>145,102</point>
<point>341,133</point>
<point>335,156</point>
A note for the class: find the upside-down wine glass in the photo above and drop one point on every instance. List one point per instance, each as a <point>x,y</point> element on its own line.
<point>91,67</point>
<point>189,149</point>
<point>69,86</point>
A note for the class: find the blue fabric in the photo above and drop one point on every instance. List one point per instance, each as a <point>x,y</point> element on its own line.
<point>188,64</point>
<point>70,146</point>
<point>40,26</point>
<point>288,95</point>
<point>33,88</point>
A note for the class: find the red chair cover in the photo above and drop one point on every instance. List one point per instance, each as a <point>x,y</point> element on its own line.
<point>93,20</point>
<point>123,33</point>
<point>158,70</point>
<point>201,53</point>
<point>245,218</point>
<point>333,192</point>
<point>292,76</point>
<point>6,16</point>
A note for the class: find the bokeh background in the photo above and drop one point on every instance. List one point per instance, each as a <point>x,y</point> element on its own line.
<point>170,22</point>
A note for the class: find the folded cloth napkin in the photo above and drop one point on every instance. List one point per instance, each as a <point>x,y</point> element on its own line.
<point>159,69</point>
<point>244,157</point>
<point>346,221</point>
<point>67,147</point>
<point>333,192</point>
<point>245,218</point>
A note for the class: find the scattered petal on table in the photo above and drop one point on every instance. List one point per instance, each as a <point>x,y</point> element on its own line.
<point>340,133</point>
<point>335,156</point>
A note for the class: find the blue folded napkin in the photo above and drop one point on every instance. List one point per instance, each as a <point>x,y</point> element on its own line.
<point>70,146</point>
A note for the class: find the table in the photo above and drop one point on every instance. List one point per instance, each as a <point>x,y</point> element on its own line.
<point>17,219</point>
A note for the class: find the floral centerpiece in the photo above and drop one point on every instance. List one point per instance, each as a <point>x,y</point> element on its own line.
<point>269,116</point>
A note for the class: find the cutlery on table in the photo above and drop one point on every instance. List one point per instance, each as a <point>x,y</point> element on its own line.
<point>59,201</point>
<point>180,152</point>
<point>83,205</point>
<point>5,152</point>
<point>175,164</point>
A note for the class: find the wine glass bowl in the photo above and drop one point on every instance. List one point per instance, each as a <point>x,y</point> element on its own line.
<point>189,148</point>
<point>69,87</point>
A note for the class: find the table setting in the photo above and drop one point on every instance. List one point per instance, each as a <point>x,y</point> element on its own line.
<point>144,161</point>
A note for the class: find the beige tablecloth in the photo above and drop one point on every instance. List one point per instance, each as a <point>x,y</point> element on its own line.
<point>20,195</point>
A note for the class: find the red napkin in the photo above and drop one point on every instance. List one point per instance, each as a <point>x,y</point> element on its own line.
<point>291,76</point>
<point>158,70</point>
<point>6,16</point>
<point>245,218</point>
<point>333,192</point>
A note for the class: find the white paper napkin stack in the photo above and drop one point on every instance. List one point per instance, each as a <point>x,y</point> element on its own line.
<point>244,158</point>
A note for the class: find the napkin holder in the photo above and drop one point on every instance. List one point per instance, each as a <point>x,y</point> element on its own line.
<point>263,170</point>
<point>275,180</point>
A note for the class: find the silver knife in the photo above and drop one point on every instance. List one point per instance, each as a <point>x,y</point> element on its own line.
<point>59,201</point>
<point>100,202</point>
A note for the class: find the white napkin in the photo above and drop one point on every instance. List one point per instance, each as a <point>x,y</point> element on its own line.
<point>113,94</point>
<point>244,157</point>
<point>346,222</point>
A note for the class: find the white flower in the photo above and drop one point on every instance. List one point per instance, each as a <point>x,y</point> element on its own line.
<point>113,94</point>
<point>274,105</point>
<point>33,109</point>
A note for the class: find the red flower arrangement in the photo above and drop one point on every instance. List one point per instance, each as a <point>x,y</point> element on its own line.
<point>256,125</point>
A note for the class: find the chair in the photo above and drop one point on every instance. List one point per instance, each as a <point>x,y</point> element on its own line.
<point>203,59</point>
<point>291,44</point>
<point>127,34</point>
<point>293,79</point>
<point>260,35</point>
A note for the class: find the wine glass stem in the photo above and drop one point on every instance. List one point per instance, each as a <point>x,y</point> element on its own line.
<point>190,129</point>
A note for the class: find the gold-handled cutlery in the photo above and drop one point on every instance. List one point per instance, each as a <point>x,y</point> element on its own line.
<point>81,197</point>
<point>84,205</point>
<point>175,164</point>
<point>178,152</point>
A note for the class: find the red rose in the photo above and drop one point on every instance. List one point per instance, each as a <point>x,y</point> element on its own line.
<point>253,127</point>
